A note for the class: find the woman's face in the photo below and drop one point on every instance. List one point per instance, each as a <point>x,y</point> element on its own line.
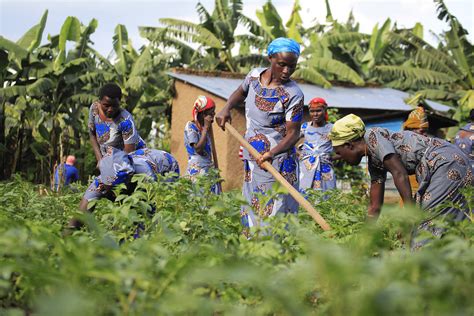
<point>283,65</point>
<point>110,106</point>
<point>317,113</point>
<point>211,112</point>
<point>348,153</point>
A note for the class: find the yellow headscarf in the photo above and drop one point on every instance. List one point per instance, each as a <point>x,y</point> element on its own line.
<point>417,119</point>
<point>348,128</point>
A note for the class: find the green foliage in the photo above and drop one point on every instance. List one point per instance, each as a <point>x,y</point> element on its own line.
<point>192,259</point>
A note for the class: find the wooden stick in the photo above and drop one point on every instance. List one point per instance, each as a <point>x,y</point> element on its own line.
<point>293,192</point>
<point>214,154</point>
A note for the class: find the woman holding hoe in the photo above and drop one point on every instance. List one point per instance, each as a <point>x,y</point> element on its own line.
<point>273,110</point>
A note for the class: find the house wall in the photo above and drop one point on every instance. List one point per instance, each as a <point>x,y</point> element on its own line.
<point>227,148</point>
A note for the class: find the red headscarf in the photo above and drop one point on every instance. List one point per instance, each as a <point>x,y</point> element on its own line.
<point>202,104</point>
<point>320,101</point>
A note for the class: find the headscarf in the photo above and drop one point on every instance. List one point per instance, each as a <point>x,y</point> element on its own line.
<point>417,119</point>
<point>115,168</point>
<point>283,45</point>
<point>320,101</point>
<point>348,128</point>
<point>71,160</point>
<point>202,104</point>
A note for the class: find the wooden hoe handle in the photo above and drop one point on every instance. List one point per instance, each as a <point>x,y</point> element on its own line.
<point>214,154</point>
<point>268,166</point>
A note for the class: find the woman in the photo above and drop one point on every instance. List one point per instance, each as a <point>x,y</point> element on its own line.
<point>154,162</point>
<point>441,168</point>
<point>316,169</point>
<point>110,126</point>
<point>417,122</point>
<point>198,141</point>
<point>273,110</point>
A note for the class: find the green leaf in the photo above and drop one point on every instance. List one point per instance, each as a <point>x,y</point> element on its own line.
<point>15,51</point>
<point>44,133</point>
<point>418,30</point>
<point>313,76</point>
<point>40,87</point>
<point>32,38</point>
<point>70,31</point>
<point>85,38</point>
<point>191,32</point>
<point>294,23</point>
<point>337,68</point>
<point>120,40</point>
<point>271,20</point>
<point>413,74</point>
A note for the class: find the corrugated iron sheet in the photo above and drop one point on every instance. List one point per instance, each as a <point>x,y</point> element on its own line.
<point>338,97</point>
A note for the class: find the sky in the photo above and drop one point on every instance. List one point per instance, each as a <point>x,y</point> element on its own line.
<point>17,16</point>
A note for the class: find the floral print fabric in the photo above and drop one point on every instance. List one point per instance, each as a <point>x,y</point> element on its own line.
<point>114,134</point>
<point>198,164</point>
<point>316,168</point>
<point>266,111</point>
<point>441,169</point>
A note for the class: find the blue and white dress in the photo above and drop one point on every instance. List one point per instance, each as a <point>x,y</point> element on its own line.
<point>198,164</point>
<point>266,111</point>
<point>154,162</point>
<point>316,168</point>
<point>116,133</point>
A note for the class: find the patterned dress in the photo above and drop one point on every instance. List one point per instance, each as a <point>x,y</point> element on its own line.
<point>467,143</point>
<point>150,162</point>
<point>267,111</point>
<point>441,170</point>
<point>115,134</point>
<point>153,162</point>
<point>316,169</point>
<point>198,164</point>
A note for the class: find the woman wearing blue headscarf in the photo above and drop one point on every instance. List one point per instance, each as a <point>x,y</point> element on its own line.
<point>273,110</point>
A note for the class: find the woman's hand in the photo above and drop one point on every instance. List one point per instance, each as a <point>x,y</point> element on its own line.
<point>223,117</point>
<point>208,119</point>
<point>268,156</point>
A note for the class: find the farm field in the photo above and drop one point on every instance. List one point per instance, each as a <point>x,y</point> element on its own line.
<point>191,258</point>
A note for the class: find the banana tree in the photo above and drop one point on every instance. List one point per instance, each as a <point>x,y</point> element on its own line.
<point>444,73</point>
<point>214,36</point>
<point>142,76</point>
<point>17,61</point>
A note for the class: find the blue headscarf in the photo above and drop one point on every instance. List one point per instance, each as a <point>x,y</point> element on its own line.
<point>283,45</point>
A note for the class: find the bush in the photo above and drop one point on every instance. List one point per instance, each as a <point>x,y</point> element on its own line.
<point>191,257</point>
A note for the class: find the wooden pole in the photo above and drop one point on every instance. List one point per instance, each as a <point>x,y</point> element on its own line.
<point>293,192</point>
<point>214,154</point>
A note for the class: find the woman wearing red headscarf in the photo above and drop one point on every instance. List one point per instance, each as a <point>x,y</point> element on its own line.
<point>316,169</point>
<point>197,139</point>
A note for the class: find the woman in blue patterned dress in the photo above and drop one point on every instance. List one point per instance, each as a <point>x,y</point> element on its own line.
<point>198,141</point>
<point>273,110</point>
<point>110,126</point>
<point>316,168</point>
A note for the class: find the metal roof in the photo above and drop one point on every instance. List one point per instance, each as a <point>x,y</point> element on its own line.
<point>337,97</point>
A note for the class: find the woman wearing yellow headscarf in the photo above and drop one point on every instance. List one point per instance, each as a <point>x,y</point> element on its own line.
<point>441,168</point>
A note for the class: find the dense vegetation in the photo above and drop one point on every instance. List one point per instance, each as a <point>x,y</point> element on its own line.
<point>47,86</point>
<point>191,258</point>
